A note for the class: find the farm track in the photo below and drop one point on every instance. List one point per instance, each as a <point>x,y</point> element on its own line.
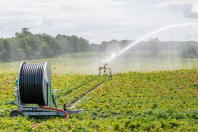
<point>73,105</point>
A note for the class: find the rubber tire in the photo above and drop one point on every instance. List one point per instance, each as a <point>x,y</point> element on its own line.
<point>15,113</point>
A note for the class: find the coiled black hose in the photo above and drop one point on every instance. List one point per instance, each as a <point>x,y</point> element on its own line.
<point>31,84</point>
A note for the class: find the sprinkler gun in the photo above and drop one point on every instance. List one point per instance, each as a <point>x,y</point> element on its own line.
<point>100,68</point>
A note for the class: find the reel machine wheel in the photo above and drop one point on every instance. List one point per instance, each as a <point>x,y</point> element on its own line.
<point>15,113</point>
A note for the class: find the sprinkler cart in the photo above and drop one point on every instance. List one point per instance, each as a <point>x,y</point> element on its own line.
<point>34,86</point>
<point>100,68</point>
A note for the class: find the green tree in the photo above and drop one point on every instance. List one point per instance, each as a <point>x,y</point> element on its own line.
<point>25,31</point>
<point>46,52</point>
<point>60,45</point>
<point>83,44</point>
<point>20,54</point>
<point>1,46</point>
<point>154,47</point>
<point>6,52</point>
<point>189,50</point>
<point>103,46</point>
<point>74,44</point>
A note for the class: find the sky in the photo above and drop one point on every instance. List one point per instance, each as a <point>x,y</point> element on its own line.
<point>101,20</point>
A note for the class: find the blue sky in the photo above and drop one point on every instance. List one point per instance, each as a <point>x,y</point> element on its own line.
<point>102,20</point>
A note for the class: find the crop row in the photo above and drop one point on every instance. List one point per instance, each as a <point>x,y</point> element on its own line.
<point>72,86</point>
<point>78,93</point>
<point>62,81</point>
<point>7,85</point>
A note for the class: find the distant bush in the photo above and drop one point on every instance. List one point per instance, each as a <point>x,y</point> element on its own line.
<point>189,50</point>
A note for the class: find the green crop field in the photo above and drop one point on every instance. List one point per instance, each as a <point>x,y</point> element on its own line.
<point>142,97</point>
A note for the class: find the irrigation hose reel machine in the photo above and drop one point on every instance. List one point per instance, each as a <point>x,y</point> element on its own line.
<point>34,86</point>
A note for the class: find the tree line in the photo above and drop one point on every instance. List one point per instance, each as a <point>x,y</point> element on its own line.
<point>154,46</point>
<point>28,46</point>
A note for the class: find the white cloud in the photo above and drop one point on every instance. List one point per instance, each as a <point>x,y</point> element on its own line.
<point>61,10</point>
<point>61,13</point>
<point>44,21</point>
<point>99,19</point>
<point>186,7</point>
<point>195,8</point>
<point>4,22</point>
<point>176,3</point>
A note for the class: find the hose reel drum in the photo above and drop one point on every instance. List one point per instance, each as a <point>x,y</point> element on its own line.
<point>33,82</point>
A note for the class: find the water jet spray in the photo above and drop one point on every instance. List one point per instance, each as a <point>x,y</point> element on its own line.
<point>113,56</point>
